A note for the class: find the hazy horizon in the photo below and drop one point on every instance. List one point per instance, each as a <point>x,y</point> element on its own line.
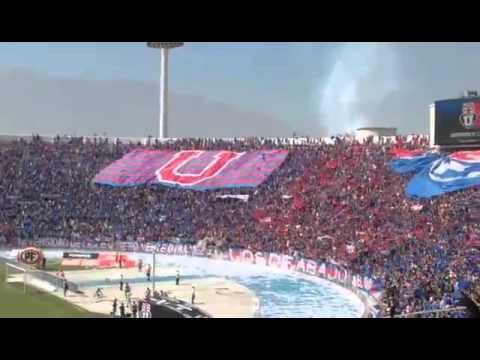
<point>229,89</point>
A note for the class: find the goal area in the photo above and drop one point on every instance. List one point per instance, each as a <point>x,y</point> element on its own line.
<point>27,276</point>
<point>16,274</point>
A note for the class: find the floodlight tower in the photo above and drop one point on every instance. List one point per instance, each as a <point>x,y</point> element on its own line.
<point>164,49</point>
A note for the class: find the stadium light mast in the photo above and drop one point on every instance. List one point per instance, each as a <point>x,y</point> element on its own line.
<point>164,47</point>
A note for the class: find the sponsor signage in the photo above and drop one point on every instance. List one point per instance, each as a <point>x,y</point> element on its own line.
<point>77,255</point>
<point>327,271</point>
<point>30,256</point>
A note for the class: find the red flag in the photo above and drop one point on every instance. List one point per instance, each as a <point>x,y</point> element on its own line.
<point>399,152</point>
<point>332,164</point>
<point>419,232</point>
<point>260,214</point>
<point>298,203</point>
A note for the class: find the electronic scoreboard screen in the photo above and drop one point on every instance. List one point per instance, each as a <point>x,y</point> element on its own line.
<point>456,121</point>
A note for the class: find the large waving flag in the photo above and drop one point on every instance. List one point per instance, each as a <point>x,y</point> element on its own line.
<point>411,160</point>
<point>457,171</point>
<point>192,169</point>
<point>439,174</point>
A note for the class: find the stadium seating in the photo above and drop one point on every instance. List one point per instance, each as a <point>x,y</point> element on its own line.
<point>331,200</point>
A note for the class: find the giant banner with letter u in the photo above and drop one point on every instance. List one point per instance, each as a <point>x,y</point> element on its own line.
<point>192,169</point>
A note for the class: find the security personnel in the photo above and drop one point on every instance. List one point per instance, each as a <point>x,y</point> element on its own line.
<point>148,272</point>
<point>114,307</point>
<point>65,287</point>
<point>122,310</point>
<point>134,309</point>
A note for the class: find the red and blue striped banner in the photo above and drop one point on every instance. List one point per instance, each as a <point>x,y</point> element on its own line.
<point>192,169</point>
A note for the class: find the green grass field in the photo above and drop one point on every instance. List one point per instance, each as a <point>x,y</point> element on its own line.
<point>35,303</point>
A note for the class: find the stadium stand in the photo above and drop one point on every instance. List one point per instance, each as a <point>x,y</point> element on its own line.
<point>332,199</point>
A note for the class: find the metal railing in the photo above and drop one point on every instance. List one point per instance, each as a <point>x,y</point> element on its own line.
<point>53,280</point>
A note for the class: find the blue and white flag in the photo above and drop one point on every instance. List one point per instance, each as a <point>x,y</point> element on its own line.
<point>455,172</point>
<point>412,161</point>
<point>445,173</point>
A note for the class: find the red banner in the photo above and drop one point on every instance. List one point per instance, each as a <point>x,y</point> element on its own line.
<point>284,262</point>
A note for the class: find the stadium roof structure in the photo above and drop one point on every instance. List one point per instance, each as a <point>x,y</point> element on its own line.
<point>164,45</point>
<point>376,128</point>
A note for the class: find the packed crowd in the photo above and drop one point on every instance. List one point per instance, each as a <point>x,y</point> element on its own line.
<point>335,200</point>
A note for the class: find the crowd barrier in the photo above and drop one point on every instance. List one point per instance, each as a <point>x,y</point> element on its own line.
<point>368,289</point>
<point>54,280</point>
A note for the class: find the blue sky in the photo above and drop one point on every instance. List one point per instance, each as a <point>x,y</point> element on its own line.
<point>309,87</point>
<point>247,73</point>
<point>275,78</point>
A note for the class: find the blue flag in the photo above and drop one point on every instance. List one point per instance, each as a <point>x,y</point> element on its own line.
<point>438,174</point>
<point>413,163</point>
<point>444,175</point>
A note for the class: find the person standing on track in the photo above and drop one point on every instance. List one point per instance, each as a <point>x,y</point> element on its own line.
<point>65,287</point>
<point>140,265</point>
<point>149,269</point>
<point>193,295</point>
<point>61,274</point>
<point>128,293</point>
<point>114,307</point>
<point>177,279</point>
<point>134,309</point>
<point>122,310</point>
<point>121,282</point>
<point>140,306</point>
